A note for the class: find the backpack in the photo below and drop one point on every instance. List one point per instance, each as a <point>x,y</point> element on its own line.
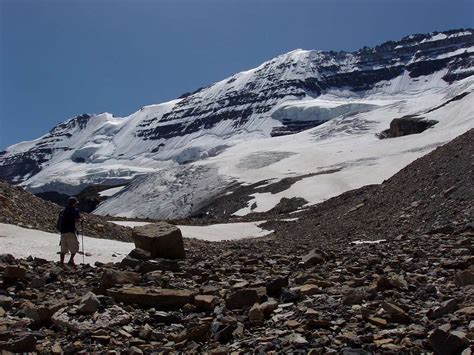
<point>59,223</point>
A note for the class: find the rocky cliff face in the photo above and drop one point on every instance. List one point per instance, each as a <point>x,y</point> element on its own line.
<point>203,123</point>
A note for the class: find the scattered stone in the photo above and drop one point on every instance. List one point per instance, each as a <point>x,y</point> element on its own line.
<point>288,296</point>
<point>40,314</point>
<point>256,313</point>
<point>113,316</point>
<point>57,349</point>
<point>292,323</point>
<point>111,278</point>
<point>5,301</point>
<point>268,307</point>
<point>379,322</point>
<point>133,350</point>
<point>395,281</point>
<point>298,340</point>
<point>140,254</point>
<point>465,277</point>
<point>313,258</point>
<point>449,343</point>
<point>309,290</point>
<point>89,304</point>
<point>354,296</point>
<point>467,311</point>
<point>199,332</point>
<point>242,299</point>
<point>446,307</point>
<point>159,264</point>
<point>13,273</point>
<point>38,282</point>
<point>205,302</point>
<point>131,262</point>
<point>19,343</point>
<point>223,333</point>
<point>396,314</point>
<point>274,286</point>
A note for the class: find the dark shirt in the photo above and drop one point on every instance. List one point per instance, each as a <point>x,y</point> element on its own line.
<point>68,221</point>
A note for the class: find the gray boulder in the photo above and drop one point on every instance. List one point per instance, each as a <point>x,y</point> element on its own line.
<point>161,240</point>
<point>89,304</point>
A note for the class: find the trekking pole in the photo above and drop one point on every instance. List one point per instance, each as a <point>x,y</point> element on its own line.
<point>82,234</point>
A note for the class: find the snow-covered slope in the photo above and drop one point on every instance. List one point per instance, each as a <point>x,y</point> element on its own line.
<point>237,124</point>
<point>347,147</point>
<point>46,245</point>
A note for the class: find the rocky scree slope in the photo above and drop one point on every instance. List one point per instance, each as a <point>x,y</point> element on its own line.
<point>21,208</point>
<point>434,192</point>
<point>244,106</point>
<point>306,288</point>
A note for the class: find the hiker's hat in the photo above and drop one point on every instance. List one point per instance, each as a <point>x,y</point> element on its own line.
<point>72,200</point>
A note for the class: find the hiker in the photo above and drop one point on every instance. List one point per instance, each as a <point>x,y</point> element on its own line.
<point>67,227</point>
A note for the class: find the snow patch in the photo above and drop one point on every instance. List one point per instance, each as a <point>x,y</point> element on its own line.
<point>359,242</point>
<point>111,192</point>
<point>214,232</point>
<point>131,224</point>
<point>23,242</point>
<point>227,231</point>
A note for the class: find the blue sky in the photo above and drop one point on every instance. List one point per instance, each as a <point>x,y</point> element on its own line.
<point>60,58</point>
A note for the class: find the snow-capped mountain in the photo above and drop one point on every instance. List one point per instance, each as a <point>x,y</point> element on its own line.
<point>330,96</point>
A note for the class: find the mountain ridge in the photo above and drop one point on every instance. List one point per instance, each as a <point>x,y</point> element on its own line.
<point>293,92</point>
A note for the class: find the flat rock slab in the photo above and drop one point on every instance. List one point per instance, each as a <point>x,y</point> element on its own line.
<point>152,297</point>
<point>161,240</point>
<point>111,278</point>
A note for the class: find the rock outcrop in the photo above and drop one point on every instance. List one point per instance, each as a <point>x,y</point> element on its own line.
<point>407,125</point>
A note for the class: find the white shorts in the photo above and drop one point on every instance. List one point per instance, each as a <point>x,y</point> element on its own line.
<point>69,243</point>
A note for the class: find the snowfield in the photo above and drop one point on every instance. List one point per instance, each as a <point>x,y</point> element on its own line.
<point>225,231</point>
<point>111,192</point>
<point>215,232</point>
<point>23,242</point>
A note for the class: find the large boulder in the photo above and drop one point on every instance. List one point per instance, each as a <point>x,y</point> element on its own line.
<point>406,125</point>
<point>161,240</point>
<point>152,297</point>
